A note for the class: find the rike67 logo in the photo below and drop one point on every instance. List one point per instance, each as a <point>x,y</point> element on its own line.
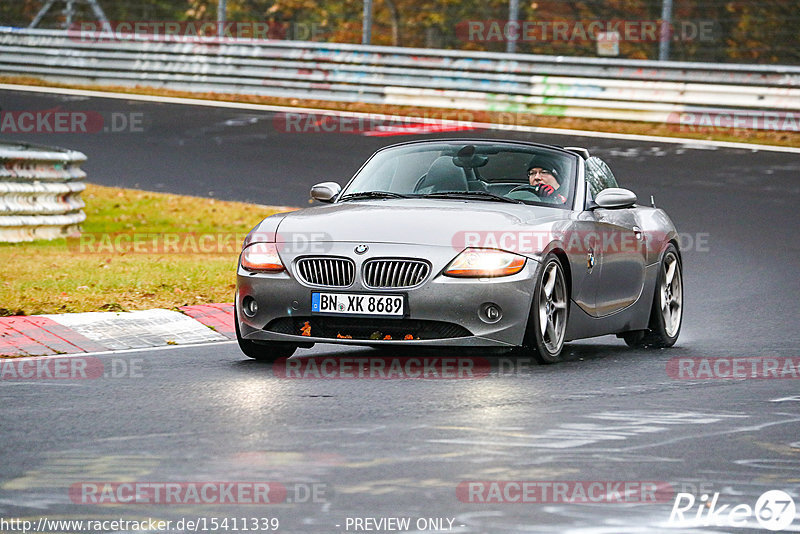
<point>774,510</point>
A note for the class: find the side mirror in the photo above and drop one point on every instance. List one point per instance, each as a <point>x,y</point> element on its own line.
<point>326,191</point>
<point>615,197</point>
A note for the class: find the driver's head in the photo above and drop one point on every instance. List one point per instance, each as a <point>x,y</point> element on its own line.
<point>543,170</point>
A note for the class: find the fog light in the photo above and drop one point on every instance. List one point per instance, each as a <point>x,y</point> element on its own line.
<point>249,306</point>
<point>490,313</point>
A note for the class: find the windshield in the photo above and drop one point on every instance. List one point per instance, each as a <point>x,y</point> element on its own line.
<point>480,171</point>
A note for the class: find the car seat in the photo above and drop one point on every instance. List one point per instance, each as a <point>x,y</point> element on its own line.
<point>442,176</point>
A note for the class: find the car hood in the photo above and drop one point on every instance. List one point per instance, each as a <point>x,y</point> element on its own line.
<point>418,221</point>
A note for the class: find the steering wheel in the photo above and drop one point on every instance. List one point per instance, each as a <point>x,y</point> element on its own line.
<point>525,187</point>
<point>532,190</point>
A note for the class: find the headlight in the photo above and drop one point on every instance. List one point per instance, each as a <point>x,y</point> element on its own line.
<point>262,257</point>
<point>485,262</point>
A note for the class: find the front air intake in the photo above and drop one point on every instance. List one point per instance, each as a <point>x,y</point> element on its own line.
<point>327,271</point>
<point>395,273</point>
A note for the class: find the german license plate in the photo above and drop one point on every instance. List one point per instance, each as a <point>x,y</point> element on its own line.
<point>357,304</point>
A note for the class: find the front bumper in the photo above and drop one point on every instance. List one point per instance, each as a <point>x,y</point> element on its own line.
<point>442,311</point>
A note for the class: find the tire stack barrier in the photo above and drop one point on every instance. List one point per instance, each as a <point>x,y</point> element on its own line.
<point>40,190</point>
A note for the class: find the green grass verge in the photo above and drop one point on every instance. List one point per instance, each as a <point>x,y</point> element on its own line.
<point>103,271</point>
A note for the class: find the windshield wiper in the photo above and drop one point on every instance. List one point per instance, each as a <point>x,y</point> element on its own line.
<point>476,195</point>
<point>372,194</point>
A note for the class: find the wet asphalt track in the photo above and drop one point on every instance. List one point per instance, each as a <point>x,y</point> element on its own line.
<point>400,448</point>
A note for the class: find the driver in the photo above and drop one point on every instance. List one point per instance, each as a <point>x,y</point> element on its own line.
<point>545,181</point>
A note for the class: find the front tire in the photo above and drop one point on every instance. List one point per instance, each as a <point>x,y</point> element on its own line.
<point>666,314</point>
<point>267,351</point>
<point>547,324</point>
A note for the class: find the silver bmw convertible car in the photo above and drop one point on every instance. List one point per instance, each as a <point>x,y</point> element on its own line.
<point>463,243</point>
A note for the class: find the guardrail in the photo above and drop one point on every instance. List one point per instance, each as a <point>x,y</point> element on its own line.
<point>561,86</point>
<point>40,191</point>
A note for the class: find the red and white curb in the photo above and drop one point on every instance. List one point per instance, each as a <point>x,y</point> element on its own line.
<point>74,333</point>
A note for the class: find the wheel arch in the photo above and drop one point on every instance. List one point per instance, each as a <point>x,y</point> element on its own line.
<point>674,242</point>
<point>564,259</point>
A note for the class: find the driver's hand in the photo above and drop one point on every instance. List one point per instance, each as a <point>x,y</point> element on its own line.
<point>544,190</point>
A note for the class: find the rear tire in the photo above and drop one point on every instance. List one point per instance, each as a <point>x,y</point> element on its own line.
<point>266,351</point>
<point>666,314</point>
<point>547,323</point>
